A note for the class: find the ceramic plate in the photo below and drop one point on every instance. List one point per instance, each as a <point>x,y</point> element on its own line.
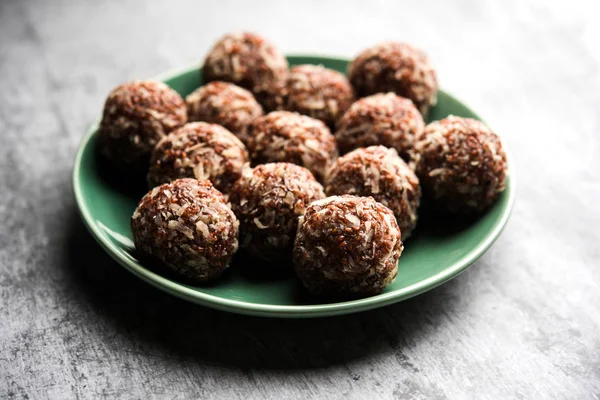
<point>439,249</point>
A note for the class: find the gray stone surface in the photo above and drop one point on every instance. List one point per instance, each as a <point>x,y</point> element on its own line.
<point>524,322</point>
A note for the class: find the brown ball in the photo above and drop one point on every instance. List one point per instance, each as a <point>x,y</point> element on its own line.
<point>385,119</point>
<point>395,67</point>
<point>225,104</point>
<point>315,91</point>
<point>136,116</point>
<point>283,136</point>
<point>461,164</point>
<point>188,226</point>
<point>268,201</point>
<point>347,246</point>
<point>199,150</point>
<point>379,172</point>
<point>249,61</point>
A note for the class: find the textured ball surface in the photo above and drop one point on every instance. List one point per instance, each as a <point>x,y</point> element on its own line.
<point>268,201</point>
<point>461,164</point>
<point>225,104</point>
<point>188,226</point>
<point>379,172</point>
<point>395,67</point>
<point>136,116</point>
<point>347,246</point>
<point>249,61</point>
<point>381,119</point>
<point>283,136</point>
<point>316,91</point>
<point>199,150</point>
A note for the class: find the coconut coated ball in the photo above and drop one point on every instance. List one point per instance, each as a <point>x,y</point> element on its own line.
<point>199,150</point>
<point>136,116</point>
<point>347,246</point>
<point>188,226</point>
<point>461,164</point>
<point>283,136</point>
<point>395,67</point>
<point>379,172</point>
<point>381,119</point>
<point>249,61</point>
<point>316,91</point>
<point>225,104</point>
<point>268,201</point>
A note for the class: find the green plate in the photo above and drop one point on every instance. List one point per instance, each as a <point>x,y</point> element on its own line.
<point>439,249</point>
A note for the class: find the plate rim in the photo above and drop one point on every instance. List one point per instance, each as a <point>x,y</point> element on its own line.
<point>257,309</point>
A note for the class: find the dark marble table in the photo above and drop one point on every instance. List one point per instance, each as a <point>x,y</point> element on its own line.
<point>523,322</point>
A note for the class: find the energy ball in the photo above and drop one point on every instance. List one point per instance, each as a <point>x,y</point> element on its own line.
<point>283,136</point>
<point>316,91</point>
<point>395,67</point>
<point>384,118</point>
<point>461,164</point>
<point>199,150</point>
<point>188,226</point>
<point>268,201</point>
<point>379,172</point>
<point>136,116</point>
<point>249,61</point>
<point>347,246</point>
<point>225,104</point>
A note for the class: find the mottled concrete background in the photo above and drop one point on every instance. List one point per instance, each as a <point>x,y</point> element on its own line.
<point>524,322</point>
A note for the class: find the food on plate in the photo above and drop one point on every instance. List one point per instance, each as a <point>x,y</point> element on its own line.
<point>461,164</point>
<point>199,150</point>
<point>395,67</point>
<point>268,200</point>
<point>249,61</point>
<point>136,116</point>
<point>381,119</point>
<point>188,226</point>
<point>347,246</point>
<point>315,91</point>
<point>225,104</point>
<point>283,136</point>
<point>379,172</point>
